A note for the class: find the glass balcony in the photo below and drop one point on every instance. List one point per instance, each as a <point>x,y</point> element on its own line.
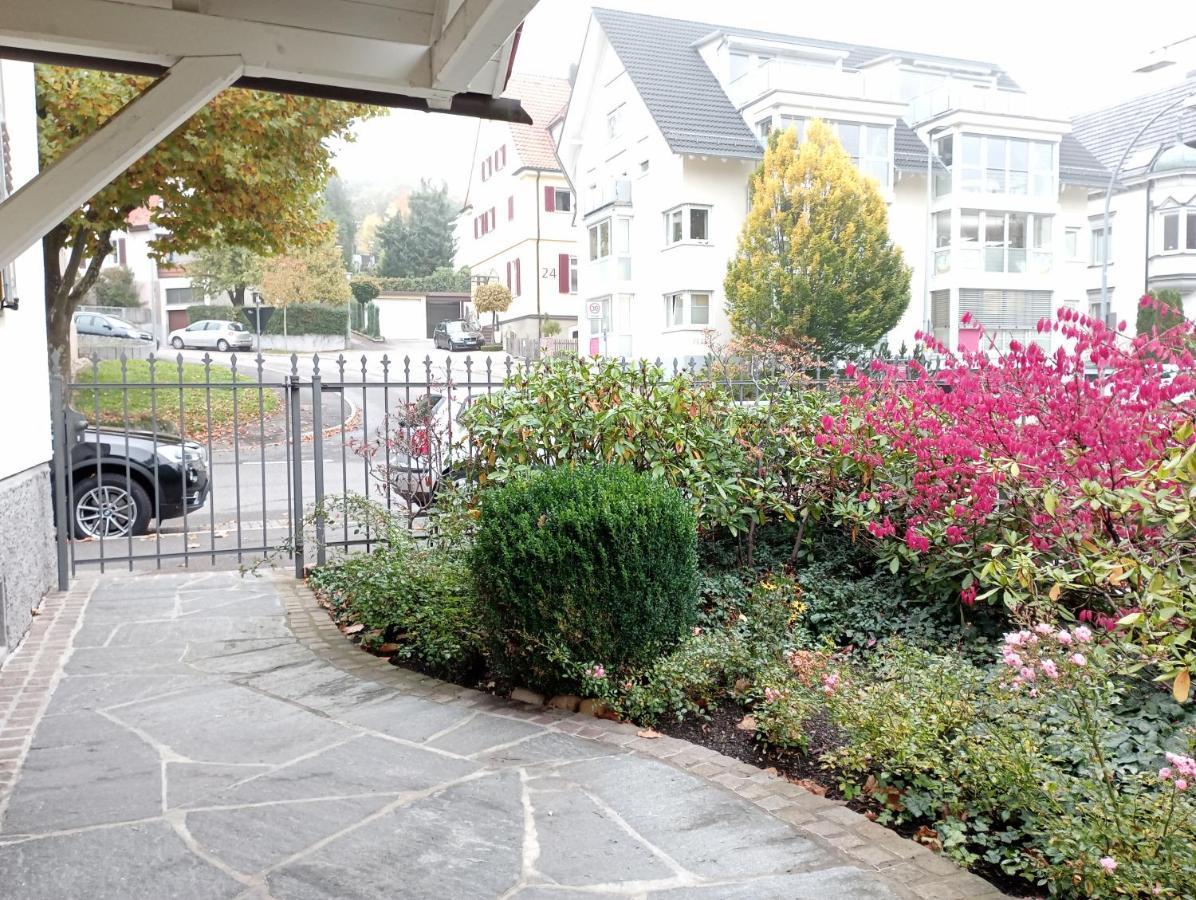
<point>806,78</point>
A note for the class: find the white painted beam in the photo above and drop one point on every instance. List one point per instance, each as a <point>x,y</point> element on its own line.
<point>87,167</point>
<point>475,33</point>
<point>304,49</point>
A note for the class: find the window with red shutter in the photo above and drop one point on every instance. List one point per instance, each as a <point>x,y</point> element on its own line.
<point>562,273</point>
<point>549,199</point>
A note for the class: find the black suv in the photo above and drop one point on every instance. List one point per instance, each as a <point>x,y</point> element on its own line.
<point>120,480</point>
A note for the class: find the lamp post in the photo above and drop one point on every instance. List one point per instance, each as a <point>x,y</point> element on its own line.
<point>1187,102</point>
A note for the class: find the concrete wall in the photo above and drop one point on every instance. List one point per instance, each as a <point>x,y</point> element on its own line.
<point>304,343</point>
<point>27,559</point>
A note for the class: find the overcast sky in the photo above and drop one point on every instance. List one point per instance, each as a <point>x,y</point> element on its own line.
<point>1071,55</point>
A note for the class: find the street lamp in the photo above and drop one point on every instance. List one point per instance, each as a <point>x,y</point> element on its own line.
<point>1188,102</point>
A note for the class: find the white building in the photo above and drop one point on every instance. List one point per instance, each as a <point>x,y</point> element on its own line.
<point>27,554</point>
<point>1152,233</point>
<point>517,224</point>
<point>668,119</point>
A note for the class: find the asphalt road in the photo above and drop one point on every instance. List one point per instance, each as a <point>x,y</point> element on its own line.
<point>251,499</point>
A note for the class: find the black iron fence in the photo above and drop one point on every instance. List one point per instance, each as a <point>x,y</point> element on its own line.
<point>200,459</point>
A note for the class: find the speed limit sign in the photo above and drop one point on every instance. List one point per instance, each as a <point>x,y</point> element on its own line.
<point>594,309</point>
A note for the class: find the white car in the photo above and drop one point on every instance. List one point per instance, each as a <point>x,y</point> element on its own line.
<point>212,334</point>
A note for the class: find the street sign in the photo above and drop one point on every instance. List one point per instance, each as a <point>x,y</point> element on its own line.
<point>257,316</point>
<point>594,309</point>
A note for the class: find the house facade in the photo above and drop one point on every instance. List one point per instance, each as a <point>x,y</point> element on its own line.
<point>517,224</point>
<point>27,553</point>
<point>1151,240</point>
<point>668,119</point>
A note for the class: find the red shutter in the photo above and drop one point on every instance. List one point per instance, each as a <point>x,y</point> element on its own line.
<point>476,228</point>
<point>549,199</point>
<point>562,273</point>
<point>508,276</point>
<point>518,279</point>
<point>510,208</point>
<point>491,215</point>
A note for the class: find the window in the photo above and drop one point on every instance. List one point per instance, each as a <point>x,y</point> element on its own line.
<point>514,278</point>
<point>687,223</point>
<point>566,273</point>
<point>944,148</point>
<point>739,65</point>
<point>1071,242</point>
<point>484,223</point>
<point>1101,247</point>
<point>868,147</point>
<point>764,129</point>
<point>600,240</point>
<point>797,123</point>
<point>998,165</point>
<point>1179,230</point>
<point>940,315</point>
<point>614,122</point>
<point>644,166</point>
<point>1012,241</point>
<point>942,242</point>
<point>687,308</point>
<point>179,296</point>
<point>1102,309</point>
<point>557,199</point>
<point>1007,315</point>
<point>487,167</point>
<point>118,252</point>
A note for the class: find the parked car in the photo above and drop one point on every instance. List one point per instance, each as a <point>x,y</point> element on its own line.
<point>120,481</point>
<point>456,335</point>
<point>101,325</point>
<point>212,334</point>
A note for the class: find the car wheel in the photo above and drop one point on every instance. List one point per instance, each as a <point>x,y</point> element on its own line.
<point>177,343</point>
<point>116,508</point>
<point>222,345</point>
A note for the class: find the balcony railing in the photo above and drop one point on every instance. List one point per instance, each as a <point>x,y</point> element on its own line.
<point>970,98</point>
<point>617,192</point>
<point>802,78</point>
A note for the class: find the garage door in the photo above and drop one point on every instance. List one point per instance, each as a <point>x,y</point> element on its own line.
<point>176,319</point>
<point>442,311</point>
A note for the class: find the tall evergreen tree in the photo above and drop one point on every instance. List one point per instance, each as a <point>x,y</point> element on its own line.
<point>815,259</point>
<point>423,242</point>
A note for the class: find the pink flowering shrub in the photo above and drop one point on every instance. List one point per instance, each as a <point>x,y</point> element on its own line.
<point>989,449</point>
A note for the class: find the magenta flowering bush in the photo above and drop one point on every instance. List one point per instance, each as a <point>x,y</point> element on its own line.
<point>953,457</point>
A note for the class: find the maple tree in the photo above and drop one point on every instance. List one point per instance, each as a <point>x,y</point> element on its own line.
<point>247,170</point>
<point>312,274</point>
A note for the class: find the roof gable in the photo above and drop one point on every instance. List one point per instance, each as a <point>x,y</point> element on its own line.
<point>543,98</point>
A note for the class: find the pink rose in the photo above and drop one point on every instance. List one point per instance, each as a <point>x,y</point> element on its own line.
<point>1079,659</point>
<point>1181,784</point>
<point>1108,863</point>
<point>1165,773</point>
<point>598,671</point>
<point>1064,638</point>
<point>1050,669</point>
<point>1083,634</point>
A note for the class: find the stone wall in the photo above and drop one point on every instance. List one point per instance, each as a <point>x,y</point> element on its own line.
<point>28,563</point>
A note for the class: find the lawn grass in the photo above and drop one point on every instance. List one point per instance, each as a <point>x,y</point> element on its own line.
<point>157,409</point>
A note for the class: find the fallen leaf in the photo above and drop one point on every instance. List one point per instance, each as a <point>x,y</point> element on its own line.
<point>353,629</point>
<point>388,649</point>
<point>870,815</point>
<point>812,786</point>
<point>747,723</point>
<point>649,733</point>
<point>928,837</point>
<point>1181,686</point>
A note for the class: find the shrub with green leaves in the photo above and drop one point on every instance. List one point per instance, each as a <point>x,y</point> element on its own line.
<point>583,567</point>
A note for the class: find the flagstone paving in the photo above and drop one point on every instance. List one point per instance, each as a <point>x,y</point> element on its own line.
<point>199,735</point>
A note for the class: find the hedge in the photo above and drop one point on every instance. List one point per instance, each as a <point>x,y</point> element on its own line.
<point>443,281</point>
<point>301,318</point>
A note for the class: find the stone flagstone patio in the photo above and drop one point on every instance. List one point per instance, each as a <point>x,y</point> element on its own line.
<point>199,735</point>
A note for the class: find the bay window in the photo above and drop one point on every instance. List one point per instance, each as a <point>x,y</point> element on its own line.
<point>687,308</point>
<point>867,145</point>
<point>600,240</point>
<point>687,224</point>
<point>1011,241</point>
<point>997,165</point>
<point>1178,232</point>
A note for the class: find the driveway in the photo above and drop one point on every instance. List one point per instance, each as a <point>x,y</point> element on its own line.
<point>197,735</point>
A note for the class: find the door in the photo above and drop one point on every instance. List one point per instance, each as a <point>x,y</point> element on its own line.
<point>176,319</point>
<point>441,310</point>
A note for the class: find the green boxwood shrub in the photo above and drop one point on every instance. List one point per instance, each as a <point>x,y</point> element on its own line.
<point>583,567</point>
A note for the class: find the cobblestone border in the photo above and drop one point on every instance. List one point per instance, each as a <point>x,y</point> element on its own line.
<point>911,869</point>
<point>30,673</point>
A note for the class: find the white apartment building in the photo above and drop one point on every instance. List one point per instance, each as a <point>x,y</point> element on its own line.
<point>668,119</point>
<point>517,224</point>
<point>1152,222</point>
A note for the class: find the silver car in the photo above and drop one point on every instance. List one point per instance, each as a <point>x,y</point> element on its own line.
<point>212,334</point>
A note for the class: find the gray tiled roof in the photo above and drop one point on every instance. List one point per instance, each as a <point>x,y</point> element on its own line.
<point>1107,132</point>
<point>690,107</point>
<point>1078,166</point>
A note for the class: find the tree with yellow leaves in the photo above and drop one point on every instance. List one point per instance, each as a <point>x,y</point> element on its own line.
<point>815,261</point>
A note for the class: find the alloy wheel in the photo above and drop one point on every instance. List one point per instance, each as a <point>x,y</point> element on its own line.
<point>106,511</point>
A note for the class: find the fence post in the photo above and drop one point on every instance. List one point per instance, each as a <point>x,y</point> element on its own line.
<point>293,397</point>
<point>62,455</point>
<point>317,455</point>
